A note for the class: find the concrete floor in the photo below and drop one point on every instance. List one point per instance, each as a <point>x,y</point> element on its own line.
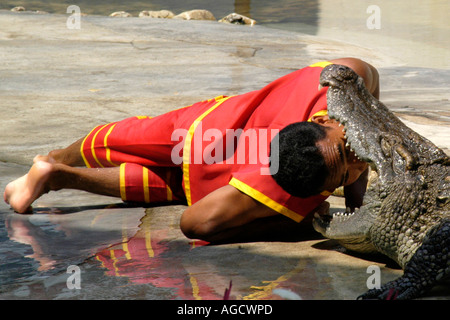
<point>58,83</point>
<point>140,253</point>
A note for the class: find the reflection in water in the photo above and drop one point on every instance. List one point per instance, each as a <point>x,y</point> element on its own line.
<point>48,241</point>
<point>148,258</point>
<point>191,269</point>
<point>154,262</point>
<point>22,231</point>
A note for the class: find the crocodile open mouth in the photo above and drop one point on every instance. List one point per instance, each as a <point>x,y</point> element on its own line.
<point>352,106</point>
<point>334,220</point>
<point>339,215</point>
<point>323,222</point>
<point>351,229</point>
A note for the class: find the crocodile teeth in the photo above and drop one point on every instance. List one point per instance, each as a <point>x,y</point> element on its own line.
<point>342,214</point>
<point>339,216</point>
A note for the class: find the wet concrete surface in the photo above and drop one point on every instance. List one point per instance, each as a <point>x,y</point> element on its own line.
<point>57,84</point>
<point>140,253</point>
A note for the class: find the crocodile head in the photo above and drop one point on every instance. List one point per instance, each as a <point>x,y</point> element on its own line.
<point>410,187</point>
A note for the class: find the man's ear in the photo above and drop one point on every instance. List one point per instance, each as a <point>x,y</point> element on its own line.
<point>320,119</point>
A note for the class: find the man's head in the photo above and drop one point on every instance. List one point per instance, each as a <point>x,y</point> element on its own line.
<point>312,158</point>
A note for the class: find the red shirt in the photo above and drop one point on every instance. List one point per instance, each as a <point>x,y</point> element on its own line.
<point>208,158</point>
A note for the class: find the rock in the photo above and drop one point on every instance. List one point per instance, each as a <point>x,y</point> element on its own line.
<point>17,9</point>
<point>164,14</point>
<point>22,9</point>
<point>120,14</point>
<point>196,15</point>
<point>237,18</point>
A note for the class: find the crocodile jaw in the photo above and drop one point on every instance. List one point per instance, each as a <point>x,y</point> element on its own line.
<point>351,104</point>
<point>350,229</point>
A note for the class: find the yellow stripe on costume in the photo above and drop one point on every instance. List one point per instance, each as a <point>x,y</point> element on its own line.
<point>123,192</point>
<point>82,148</point>
<point>320,113</point>
<point>93,147</point>
<point>105,143</point>
<point>187,147</point>
<point>261,197</point>
<point>168,190</point>
<point>145,184</point>
<point>321,64</point>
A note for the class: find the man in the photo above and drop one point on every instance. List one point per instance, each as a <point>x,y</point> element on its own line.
<point>137,159</point>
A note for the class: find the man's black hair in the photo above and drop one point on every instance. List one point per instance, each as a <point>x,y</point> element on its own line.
<point>302,169</point>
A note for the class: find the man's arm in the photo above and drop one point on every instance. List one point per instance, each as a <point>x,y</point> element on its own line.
<point>228,215</point>
<point>216,216</point>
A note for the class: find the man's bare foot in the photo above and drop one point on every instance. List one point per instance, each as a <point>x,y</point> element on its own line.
<point>22,192</point>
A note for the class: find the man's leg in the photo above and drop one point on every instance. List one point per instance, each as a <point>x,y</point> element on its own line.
<point>47,176</point>
<point>70,156</point>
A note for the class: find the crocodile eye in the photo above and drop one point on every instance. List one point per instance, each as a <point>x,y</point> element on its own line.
<point>385,147</point>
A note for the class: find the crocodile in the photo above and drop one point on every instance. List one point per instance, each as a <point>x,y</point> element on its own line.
<point>405,213</point>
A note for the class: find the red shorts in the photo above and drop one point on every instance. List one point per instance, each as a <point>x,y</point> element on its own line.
<point>147,173</point>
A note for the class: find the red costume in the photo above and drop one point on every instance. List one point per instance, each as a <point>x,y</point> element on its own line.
<point>190,152</point>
